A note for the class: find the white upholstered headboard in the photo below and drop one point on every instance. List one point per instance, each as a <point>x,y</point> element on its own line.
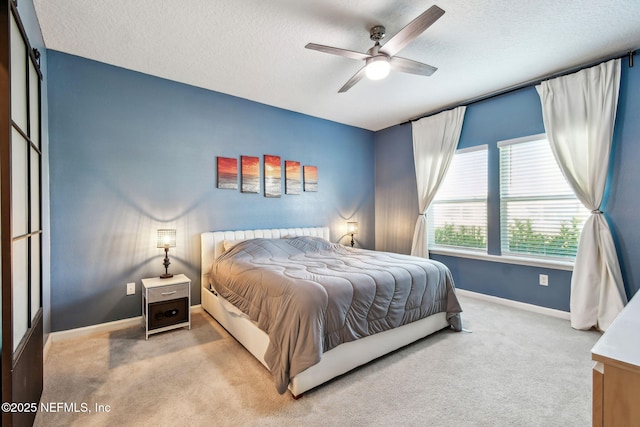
<point>212,243</point>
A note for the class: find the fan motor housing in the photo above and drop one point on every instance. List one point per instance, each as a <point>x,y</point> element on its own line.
<point>377,33</point>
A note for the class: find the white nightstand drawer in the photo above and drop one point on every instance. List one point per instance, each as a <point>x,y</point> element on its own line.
<point>169,292</point>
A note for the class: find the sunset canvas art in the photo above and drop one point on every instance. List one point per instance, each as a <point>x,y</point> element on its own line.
<point>228,173</point>
<point>292,176</point>
<point>250,174</point>
<point>272,176</point>
<point>310,178</point>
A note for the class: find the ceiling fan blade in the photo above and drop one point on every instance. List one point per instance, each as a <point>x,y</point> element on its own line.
<point>413,67</point>
<point>353,80</point>
<point>336,51</point>
<point>411,31</point>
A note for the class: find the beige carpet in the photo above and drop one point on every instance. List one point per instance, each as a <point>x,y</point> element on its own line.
<point>516,369</point>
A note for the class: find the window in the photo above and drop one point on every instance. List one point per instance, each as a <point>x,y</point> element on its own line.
<point>540,215</point>
<point>458,214</point>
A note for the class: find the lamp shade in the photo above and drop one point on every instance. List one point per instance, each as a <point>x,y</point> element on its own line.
<point>352,228</point>
<point>377,67</point>
<point>166,238</point>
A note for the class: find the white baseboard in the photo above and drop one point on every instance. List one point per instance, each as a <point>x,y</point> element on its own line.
<point>102,327</point>
<point>517,304</point>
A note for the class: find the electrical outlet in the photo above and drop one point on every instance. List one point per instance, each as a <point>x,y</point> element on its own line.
<point>544,280</point>
<point>131,288</point>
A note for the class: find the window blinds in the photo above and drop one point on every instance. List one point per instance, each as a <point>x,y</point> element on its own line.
<point>458,214</point>
<point>540,215</point>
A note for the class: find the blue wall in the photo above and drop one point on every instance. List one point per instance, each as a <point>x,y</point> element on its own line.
<point>503,117</point>
<point>622,199</point>
<point>131,153</point>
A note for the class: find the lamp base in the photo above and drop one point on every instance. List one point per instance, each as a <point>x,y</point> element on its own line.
<point>166,264</point>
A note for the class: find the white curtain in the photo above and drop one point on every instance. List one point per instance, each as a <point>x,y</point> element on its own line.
<point>435,140</point>
<point>579,112</point>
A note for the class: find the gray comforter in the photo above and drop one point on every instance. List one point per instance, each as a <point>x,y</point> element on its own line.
<point>310,295</point>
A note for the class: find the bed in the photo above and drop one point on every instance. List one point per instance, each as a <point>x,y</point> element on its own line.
<point>298,268</point>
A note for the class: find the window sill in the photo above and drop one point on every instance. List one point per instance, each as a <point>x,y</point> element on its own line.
<point>505,259</point>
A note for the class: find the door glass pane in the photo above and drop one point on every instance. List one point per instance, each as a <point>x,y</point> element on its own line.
<point>20,291</point>
<point>35,190</point>
<point>19,183</point>
<point>18,77</point>
<point>35,275</point>
<point>34,108</point>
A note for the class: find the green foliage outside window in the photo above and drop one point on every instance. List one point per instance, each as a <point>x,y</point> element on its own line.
<point>461,235</point>
<point>523,239</point>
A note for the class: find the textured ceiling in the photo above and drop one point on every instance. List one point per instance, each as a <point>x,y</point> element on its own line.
<point>254,49</point>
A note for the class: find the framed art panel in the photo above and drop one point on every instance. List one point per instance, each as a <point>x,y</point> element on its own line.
<point>293,183</point>
<point>228,173</point>
<point>250,174</point>
<point>272,176</point>
<point>310,178</point>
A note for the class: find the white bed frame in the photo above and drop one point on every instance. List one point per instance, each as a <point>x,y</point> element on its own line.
<point>336,361</point>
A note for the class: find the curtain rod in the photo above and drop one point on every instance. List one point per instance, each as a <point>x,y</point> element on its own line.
<point>528,83</point>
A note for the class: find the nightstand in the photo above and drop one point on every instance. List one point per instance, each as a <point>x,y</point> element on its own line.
<point>166,304</point>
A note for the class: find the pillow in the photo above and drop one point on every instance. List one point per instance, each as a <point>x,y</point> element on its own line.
<point>228,244</point>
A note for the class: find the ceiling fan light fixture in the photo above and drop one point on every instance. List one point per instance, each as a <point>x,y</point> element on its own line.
<point>377,67</point>
<point>378,58</point>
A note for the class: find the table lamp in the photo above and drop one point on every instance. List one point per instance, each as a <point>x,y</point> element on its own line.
<point>352,228</point>
<point>166,240</point>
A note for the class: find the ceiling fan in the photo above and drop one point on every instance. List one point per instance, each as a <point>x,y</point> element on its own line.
<point>379,59</point>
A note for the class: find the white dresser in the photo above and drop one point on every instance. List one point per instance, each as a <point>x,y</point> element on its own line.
<point>616,374</point>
